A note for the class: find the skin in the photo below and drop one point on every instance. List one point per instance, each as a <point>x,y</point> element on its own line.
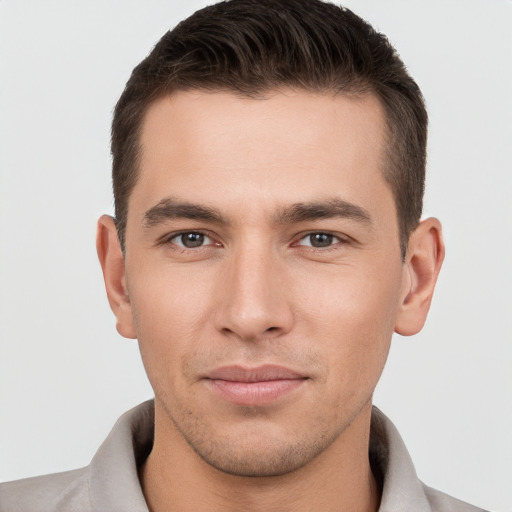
<point>265,285</point>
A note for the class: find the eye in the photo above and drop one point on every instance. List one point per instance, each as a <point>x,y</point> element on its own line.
<point>319,240</point>
<point>191,240</point>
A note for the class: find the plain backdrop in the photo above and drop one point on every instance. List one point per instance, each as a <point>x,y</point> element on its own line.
<point>65,373</point>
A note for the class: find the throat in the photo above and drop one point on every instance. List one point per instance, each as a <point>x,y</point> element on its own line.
<point>175,478</point>
<point>254,494</point>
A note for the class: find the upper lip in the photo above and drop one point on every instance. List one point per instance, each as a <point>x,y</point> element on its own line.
<point>262,373</point>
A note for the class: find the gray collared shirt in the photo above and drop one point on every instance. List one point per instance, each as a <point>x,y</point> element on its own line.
<point>110,483</point>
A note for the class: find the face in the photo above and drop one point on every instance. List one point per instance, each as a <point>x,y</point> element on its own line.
<point>263,271</point>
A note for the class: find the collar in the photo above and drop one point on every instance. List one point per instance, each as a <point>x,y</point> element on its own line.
<point>114,482</point>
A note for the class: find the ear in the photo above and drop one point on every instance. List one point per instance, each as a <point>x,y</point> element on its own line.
<point>425,255</point>
<point>112,263</point>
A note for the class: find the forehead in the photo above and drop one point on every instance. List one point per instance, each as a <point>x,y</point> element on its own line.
<point>287,145</point>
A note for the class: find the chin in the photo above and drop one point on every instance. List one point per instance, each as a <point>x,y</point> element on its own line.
<point>259,454</point>
<point>259,462</point>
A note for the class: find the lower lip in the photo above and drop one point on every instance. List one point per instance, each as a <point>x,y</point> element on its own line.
<point>255,393</point>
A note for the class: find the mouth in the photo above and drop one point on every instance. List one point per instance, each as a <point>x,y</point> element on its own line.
<point>254,386</point>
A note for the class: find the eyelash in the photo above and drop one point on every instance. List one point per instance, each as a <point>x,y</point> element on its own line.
<point>338,239</point>
<point>168,240</point>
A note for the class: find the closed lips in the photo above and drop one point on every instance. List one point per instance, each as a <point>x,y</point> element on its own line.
<point>255,386</point>
<point>259,374</point>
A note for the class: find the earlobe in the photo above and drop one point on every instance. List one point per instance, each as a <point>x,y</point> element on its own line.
<point>113,267</point>
<point>425,255</point>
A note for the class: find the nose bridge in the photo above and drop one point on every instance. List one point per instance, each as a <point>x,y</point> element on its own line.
<point>254,303</point>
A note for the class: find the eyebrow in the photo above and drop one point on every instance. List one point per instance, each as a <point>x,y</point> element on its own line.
<point>169,208</point>
<point>301,212</point>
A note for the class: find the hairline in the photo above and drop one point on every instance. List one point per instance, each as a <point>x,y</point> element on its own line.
<point>355,91</point>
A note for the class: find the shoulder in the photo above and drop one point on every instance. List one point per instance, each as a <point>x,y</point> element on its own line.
<point>402,489</point>
<point>441,502</point>
<point>59,492</point>
<point>110,482</point>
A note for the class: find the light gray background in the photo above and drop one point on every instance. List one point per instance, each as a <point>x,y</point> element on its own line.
<point>65,373</point>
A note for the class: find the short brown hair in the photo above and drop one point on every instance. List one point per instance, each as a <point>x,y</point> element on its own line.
<point>254,46</point>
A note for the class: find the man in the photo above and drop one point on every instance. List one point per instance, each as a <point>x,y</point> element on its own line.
<point>268,177</point>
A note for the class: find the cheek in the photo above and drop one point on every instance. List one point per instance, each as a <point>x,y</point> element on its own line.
<point>166,298</point>
<point>351,314</point>
<point>351,297</point>
<point>170,311</point>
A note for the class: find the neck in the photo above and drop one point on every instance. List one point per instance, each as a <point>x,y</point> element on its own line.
<point>339,479</point>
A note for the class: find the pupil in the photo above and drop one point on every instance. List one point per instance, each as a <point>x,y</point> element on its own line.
<point>191,240</point>
<point>321,240</point>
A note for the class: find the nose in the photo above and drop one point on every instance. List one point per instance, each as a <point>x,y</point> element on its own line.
<point>253,301</point>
